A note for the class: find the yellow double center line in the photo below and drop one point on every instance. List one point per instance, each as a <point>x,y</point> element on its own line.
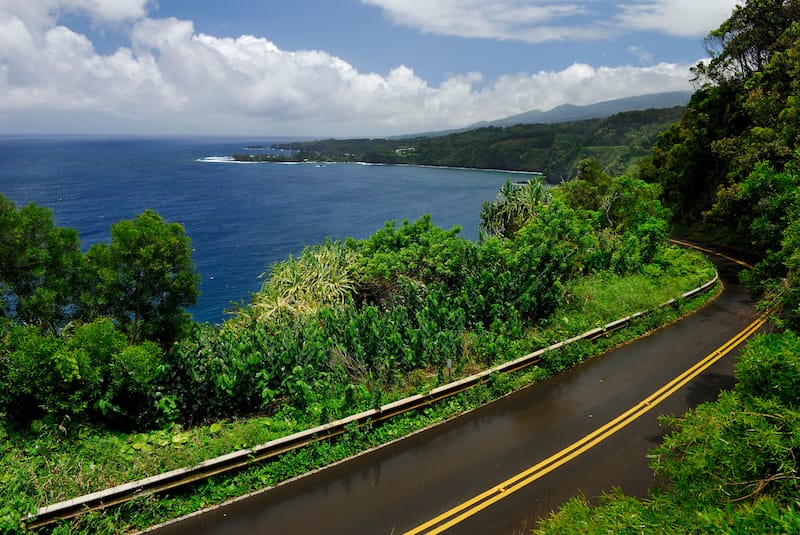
<point>506,488</point>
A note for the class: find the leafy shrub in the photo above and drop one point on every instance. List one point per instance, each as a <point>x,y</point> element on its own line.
<point>733,449</point>
<point>764,515</point>
<point>323,275</point>
<point>215,371</point>
<point>133,377</point>
<point>418,251</point>
<point>36,375</point>
<point>743,445</point>
<point>770,369</point>
<point>89,373</point>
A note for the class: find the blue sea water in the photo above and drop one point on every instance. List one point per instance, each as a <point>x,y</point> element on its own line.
<point>241,218</point>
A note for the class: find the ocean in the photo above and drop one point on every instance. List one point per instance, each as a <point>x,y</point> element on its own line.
<point>241,217</point>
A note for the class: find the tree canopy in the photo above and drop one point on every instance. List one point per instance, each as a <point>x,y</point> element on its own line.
<point>746,42</point>
<point>729,169</point>
<point>40,267</point>
<point>144,277</point>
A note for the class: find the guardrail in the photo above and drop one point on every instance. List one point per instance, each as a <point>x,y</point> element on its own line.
<point>239,459</point>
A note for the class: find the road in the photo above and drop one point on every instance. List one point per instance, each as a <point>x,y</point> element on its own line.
<point>400,487</point>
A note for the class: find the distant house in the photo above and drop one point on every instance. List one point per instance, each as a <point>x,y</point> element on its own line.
<point>404,151</point>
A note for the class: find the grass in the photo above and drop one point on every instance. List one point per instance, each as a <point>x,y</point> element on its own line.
<point>58,461</point>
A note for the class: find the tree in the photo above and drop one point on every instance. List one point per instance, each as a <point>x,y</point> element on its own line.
<point>516,205</point>
<point>745,43</point>
<point>40,265</point>
<point>745,113</point>
<point>144,277</point>
<point>588,189</point>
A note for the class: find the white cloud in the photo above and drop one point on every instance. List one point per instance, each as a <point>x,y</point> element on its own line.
<point>108,10</point>
<point>56,69</point>
<point>684,18</point>
<point>517,20</point>
<point>583,84</point>
<point>547,20</point>
<point>41,13</point>
<point>173,79</point>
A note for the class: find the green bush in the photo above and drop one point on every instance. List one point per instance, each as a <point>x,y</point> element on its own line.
<point>134,373</point>
<point>37,375</point>
<point>732,449</point>
<point>764,515</point>
<point>770,369</point>
<point>90,373</point>
<point>418,251</point>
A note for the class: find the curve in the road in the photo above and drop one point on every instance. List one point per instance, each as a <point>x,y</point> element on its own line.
<point>401,486</point>
<point>519,481</point>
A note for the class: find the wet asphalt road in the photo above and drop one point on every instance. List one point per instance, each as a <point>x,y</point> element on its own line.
<point>398,487</point>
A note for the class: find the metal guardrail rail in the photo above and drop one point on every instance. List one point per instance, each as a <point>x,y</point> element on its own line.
<point>239,459</point>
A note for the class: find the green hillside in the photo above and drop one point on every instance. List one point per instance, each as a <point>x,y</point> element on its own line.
<point>617,143</point>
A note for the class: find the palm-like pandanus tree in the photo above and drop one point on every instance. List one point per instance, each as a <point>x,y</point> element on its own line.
<point>515,206</point>
<point>323,275</point>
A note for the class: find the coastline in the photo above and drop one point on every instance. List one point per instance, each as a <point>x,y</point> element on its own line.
<point>277,160</point>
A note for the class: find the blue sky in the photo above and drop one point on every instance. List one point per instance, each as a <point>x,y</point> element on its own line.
<point>332,68</point>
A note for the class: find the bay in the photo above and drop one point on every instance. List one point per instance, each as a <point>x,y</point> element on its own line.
<point>241,218</point>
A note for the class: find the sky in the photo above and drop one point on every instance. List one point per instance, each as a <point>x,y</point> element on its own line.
<point>341,68</point>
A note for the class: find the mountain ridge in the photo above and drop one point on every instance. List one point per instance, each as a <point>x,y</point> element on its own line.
<point>598,110</point>
<point>572,112</point>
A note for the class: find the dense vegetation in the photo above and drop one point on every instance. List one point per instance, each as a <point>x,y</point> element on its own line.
<point>340,321</point>
<point>617,143</point>
<point>99,340</point>
<point>83,335</point>
<point>731,169</point>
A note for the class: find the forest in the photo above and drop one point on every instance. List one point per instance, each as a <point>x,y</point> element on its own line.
<point>617,143</point>
<point>115,372</point>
